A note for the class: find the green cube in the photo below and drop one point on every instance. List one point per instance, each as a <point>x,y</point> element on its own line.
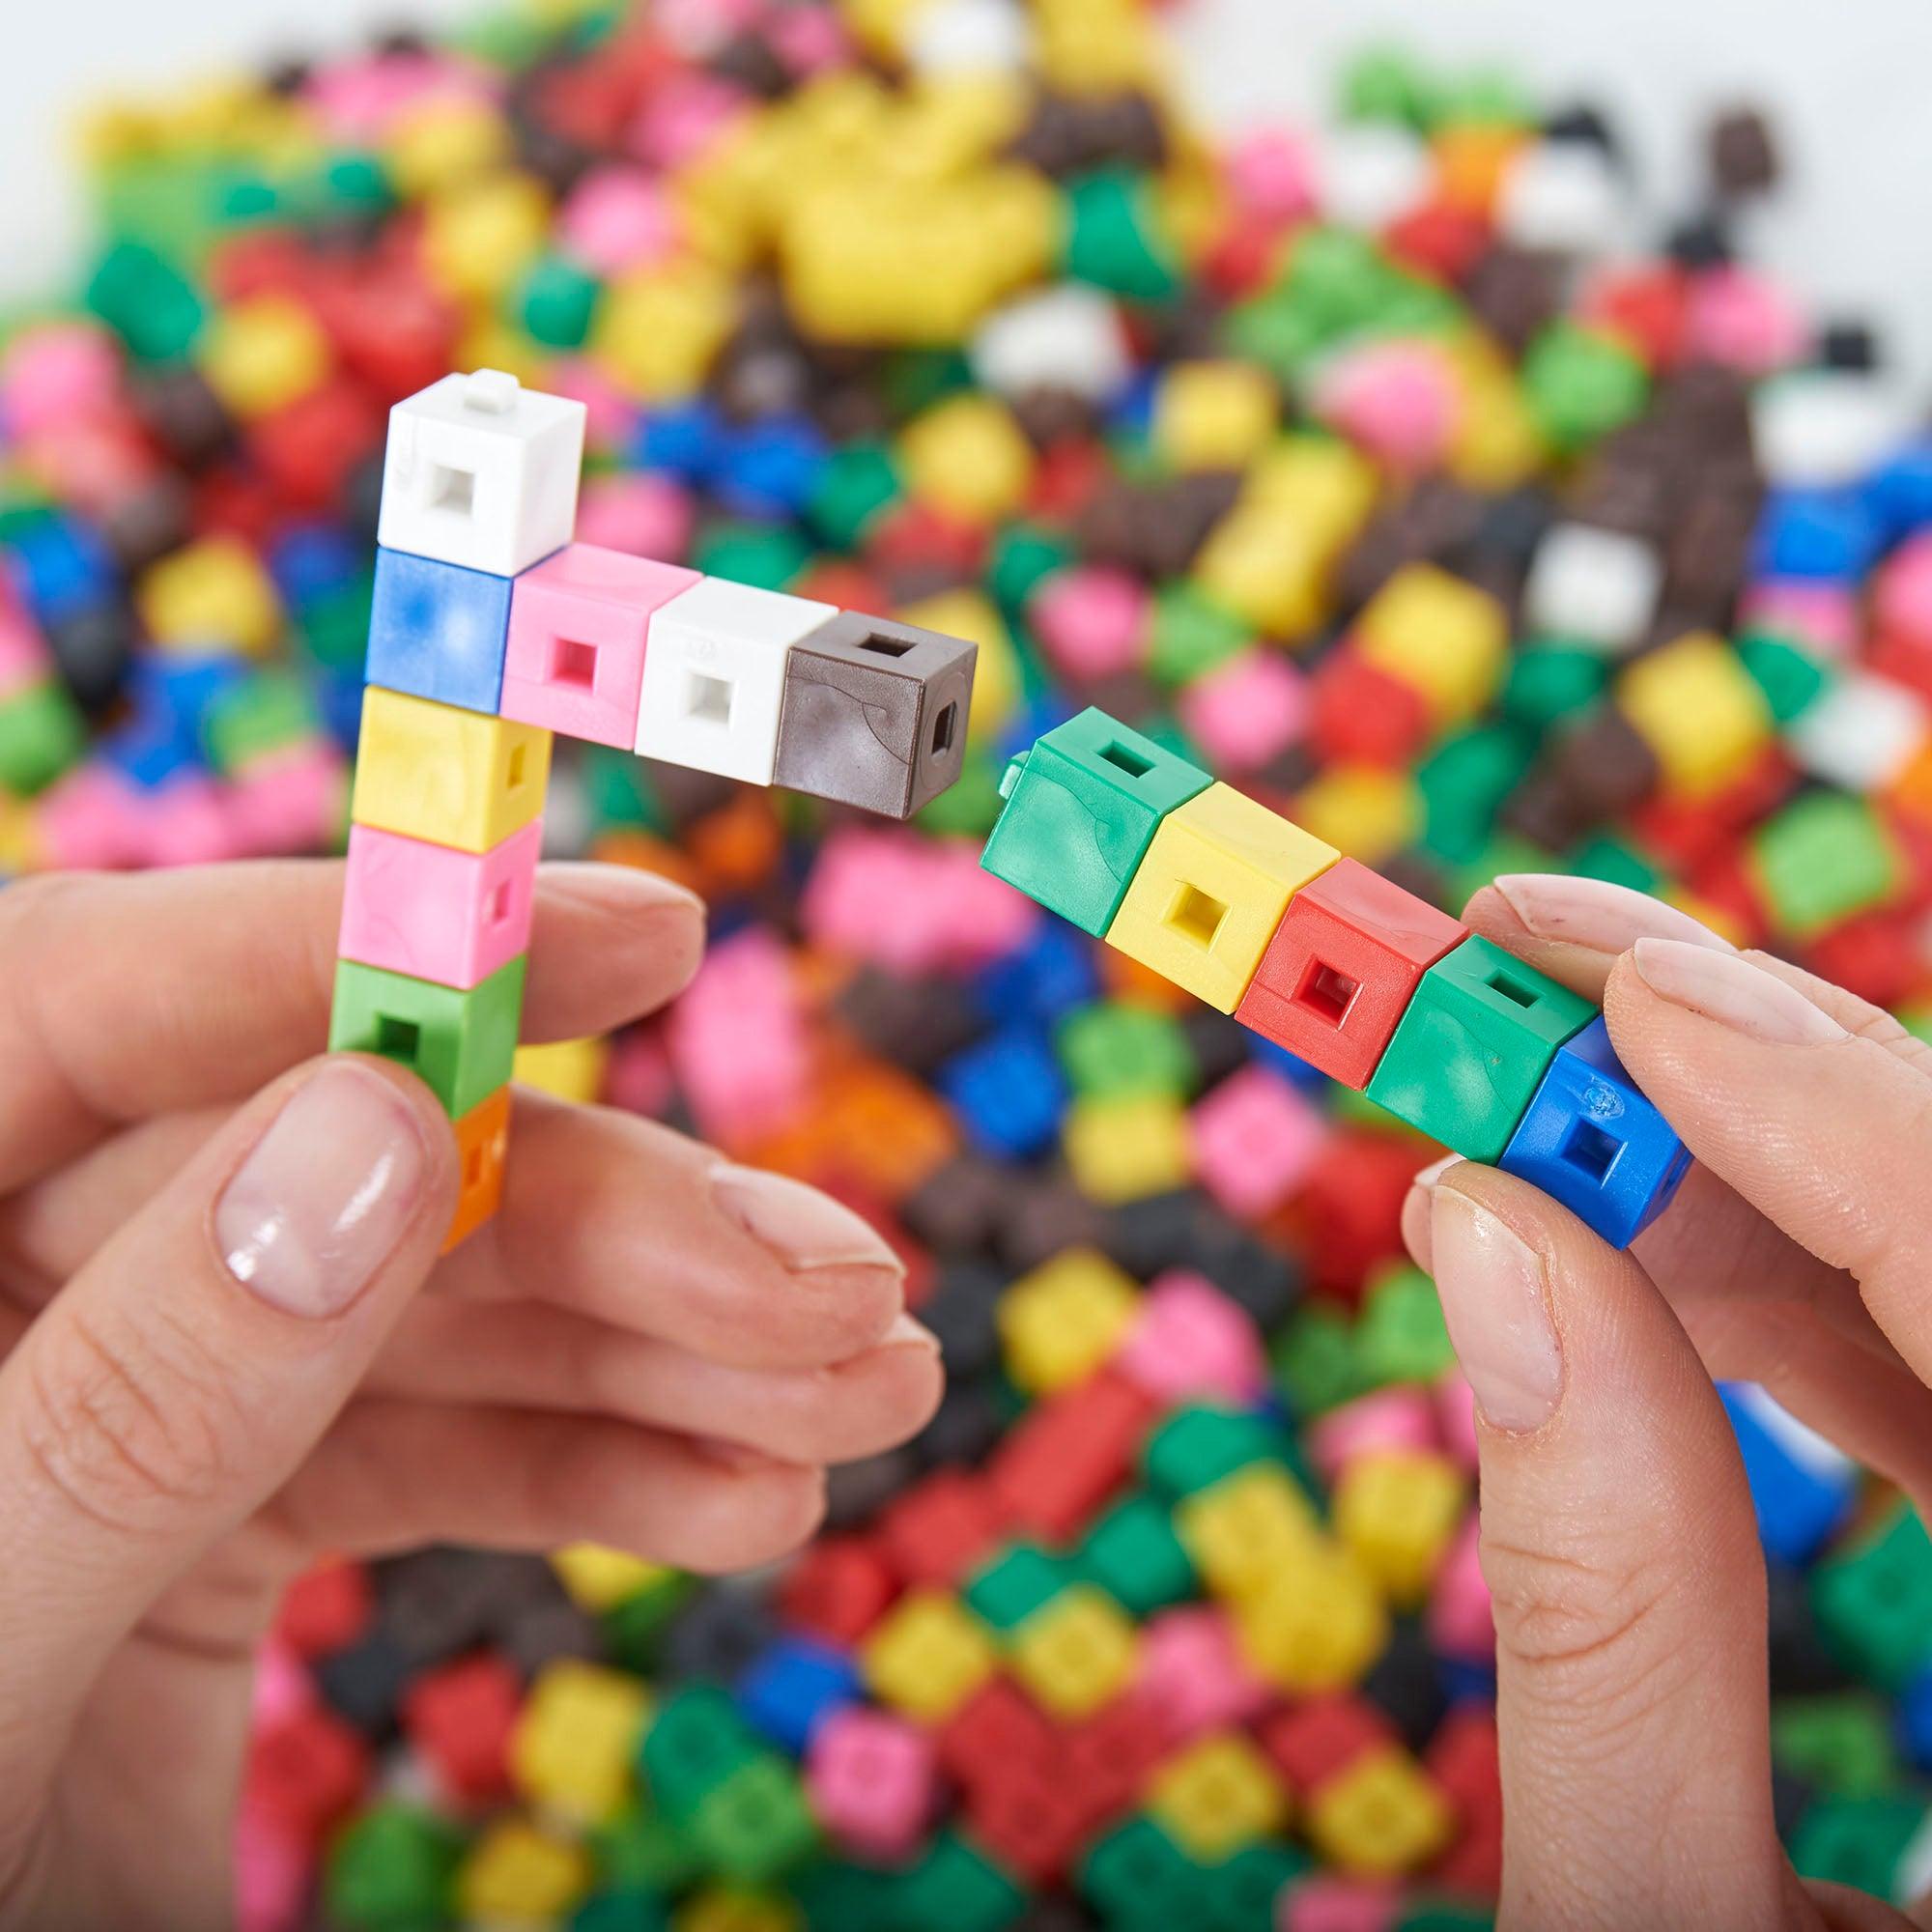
<point>558,301</point>
<point>1467,1055</point>
<point>41,735</point>
<point>1134,1554</point>
<point>393,1870</point>
<point>1196,1447</point>
<point>755,1825</point>
<point>858,481</point>
<point>1840,1743</point>
<point>459,1044</point>
<point>1402,1336</point>
<point>266,713</point>
<point>958,1888</point>
<point>1317,1364</point>
<point>1082,809</point>
<point>696,1740</point>
<point>1822,860</point>
<point>1138,1877</point>
<point>1548,681</point>
<point>641,1854</point>
<point>1874,1600</point>
<point>1791,679</point>
<point>1581,384</point>
<point>1015,1584</point>
<point>1192,635</point>
<point>1115,238</point>
<point>1112,1051</point>
<point>1239,1894</point>
<point>1023,556</point>
<point>1856,1841</point>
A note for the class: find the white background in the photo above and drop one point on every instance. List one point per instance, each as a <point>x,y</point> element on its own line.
<point>1851,81</point>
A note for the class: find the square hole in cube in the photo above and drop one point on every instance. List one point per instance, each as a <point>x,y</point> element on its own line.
<point>472,1168</point>
<point>1326,992</point>
<point>573,664</point>
<point>884,646</point>
<point>1513,990</point>
<point>1196,915</point>
<point>513,771</point>
<point>451,489</point>
<point>708,698</point>
<point>397,1038</point>
<point>1590,1151</point>
<point>1131,762</point>
<point>943,728</point>
<point>500,904</point>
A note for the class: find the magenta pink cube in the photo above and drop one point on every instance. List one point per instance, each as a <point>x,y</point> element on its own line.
<point>871,1781</point>
<point>618,218</point>
<point>1455,1417</point>
<point>1397,1417</point>
<point>1190,1340</point>
<point>89,820</point>
<point>289,801</point>
<point>1246,711</point>
<point>438,913</point>
<point>1743,320</point>
<point>1255,1140</point>
<point>579,622</point>
<point>1093,619</point>
<point>274,1876</point>
<point>1192,1673</point>
<point>1274,176</point>
<point>645,515</point>
<point>1902,599</point>
<point>57,374</point>
<point>1337,1905</point>
<point>1460,1621</point>
<point>1396,399</point>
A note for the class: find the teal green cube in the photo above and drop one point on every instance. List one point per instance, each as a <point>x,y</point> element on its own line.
<point>1791,679</point>
<point>1239,1894</point>
<point>1874,1600</point>
<point>1467,1055</point>
<point>1019,1581</point>
<point>1138,1877</point>
<point>641,1854</point>
<point>1856,1841</point>
<point>459,1044</point>
<point>1134,1555</point>
<point>958,1888</point>
<point>1082,809</point>
<point>1196,1446</point>
<point>696,1740</point>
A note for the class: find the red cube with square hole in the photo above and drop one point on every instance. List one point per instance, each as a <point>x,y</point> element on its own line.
<point>1360,714</point>
<point>1342,968</point>
<point>1067,1455</point>
<point>997,1730</point>
<point>941,1529</point>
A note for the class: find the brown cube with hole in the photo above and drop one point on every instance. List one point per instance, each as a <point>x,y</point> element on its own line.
<point>1342,968</point>
<point>874,714</point>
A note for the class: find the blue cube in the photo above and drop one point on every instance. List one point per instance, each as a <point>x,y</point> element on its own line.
<point>1802,1488</point>
<point>792,1686</point>
<point>439,630</point>
<point>1008,1093</point>
<point>1589,1138</point>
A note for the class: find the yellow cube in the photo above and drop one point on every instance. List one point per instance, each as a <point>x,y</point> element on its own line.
<point>1128,1149</point>
<point>1366,811</point>
<point>452,777</point>
<point>575,1739</point>
<point>735,1907</point>
<point>566,1070</point>
<point>1076,1653</point>
<point>1062,1322</point>
<point>208,595</point>
<point>1398,1509</point>
<point>1207,899</point>
<point>263,353</point>
<point>1444,639</point>
<point>516,1875</point>
<point>963,613</point>
<point>443,139</point>
<point>1215,415</point>
<point>1496,444</point>
<point>1315,1624</point>
<point>1328,486</point>
<point>967,457</point>
<point>927,1656</point>
<point>1247,1529</point>
<point>1381,1817</point>
<point>658,329</point>
<point>1269,567</point>
<point>1699,711</point>
<point>1217,1796</point>
<point>598,1578</point>
<point>479,236</point>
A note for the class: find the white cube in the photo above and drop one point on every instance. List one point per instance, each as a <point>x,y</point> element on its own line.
<point>1861,733</point>
<point>1821,428</point>
<point>482,472</point>
<point>1563,196</point>
<point>1592,587</point>
<point>969,37</point>
<point>1371,173</point>
<point>715,676</point>
<point>1063,338</point>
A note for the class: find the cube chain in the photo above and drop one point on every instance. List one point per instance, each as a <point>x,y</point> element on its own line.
<point>490,631</point>
<point>1337,965</point>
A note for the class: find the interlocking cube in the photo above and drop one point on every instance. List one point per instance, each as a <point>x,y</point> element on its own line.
<point>874,714</point>
<point>1477,1038</point>
<point>482,472</point>
<point>452,777</point>
<point>435,912</point>
<point>459,1041</point>
<point>577,627</point>
<point>1082,808</point>
<point>1342,968</point>
<point>715,677</point>
<point>482,1145</point>
<point>439,630</point>
<point>1592,1141</point>
<point>1211,892</point>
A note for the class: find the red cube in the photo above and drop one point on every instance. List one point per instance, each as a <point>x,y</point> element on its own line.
<point>1317,1740</point>
<point>1342,968</point>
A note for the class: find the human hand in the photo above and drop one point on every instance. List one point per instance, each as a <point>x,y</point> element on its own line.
<point>1617,1532</point>
<point>218,1360</point>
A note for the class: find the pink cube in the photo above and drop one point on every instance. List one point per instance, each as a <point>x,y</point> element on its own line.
<point>737,1041</point>
<point>683,117</point>
<point>186,822</point>
<point>808,40</point>
<point>1272,176</point>
<point>610,416</point>
<point>578,625</point>
<point>871,1781</point>
<point>618,218</point>
<point>1192,1673</point>
<point>1337,1905</point>
<point>1396,400</point>
<point>56,374</point>
<point>1398,1417</point>
<point>645,515</point>
<point>272,1876</point>
<point>1455,1417</point>
<point>1190,1340</point>
<point>90,820</point>
<point>1092,620</point>
<point>1739,319</point>
<point>1460,1622</point>
<point>435,912</point>
<point>1825,618</point>
<point>1255,1140</point>
<point>289,801</point>
<point>1246,711</point>
<point>24,657</point>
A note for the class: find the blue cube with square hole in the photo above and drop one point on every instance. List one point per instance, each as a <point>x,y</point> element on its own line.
<point>1009,1092</point>
<point>792,1686</point>
<point>439,630</point>
<point>1590,1140</point>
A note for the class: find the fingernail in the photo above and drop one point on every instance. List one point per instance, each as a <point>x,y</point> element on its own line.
<point>624,889</point>
<point>1490,1285</point>
<point>1427,1177</point>
<point>908,1332</point>
<point>1596,913</point>
<point>1726,987</point>
<point>327,1192</point>
<point>802,1227</point>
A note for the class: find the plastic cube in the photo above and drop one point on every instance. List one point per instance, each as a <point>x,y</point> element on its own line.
<point>461,1044</point>
<point>482,472</point>
<point>1082,809</point>
<point>1590,1140</point>
<point>1477,1038</point>
<point>434,912</point>
<point>1342,968</point>
<point>439,630</point>
<point>451,777</point>
<point>482,1145</point>
<point>578,626</point>
<point>871,1780</point>
<point>874,714</point>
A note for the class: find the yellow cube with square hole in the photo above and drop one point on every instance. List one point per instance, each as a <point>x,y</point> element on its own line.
<point>1380,1817</point>
<point>1205,901</point>
<point>927,1656</point>
<point>1699,711</point>
<point>1366,811</point>
<point>566,1070</point>
<point>1398,1509</point>
<point>1125,1150</point>
<point>1062,1322</point>
<point>1317,1624</point>
<point>208,596</point>
<point>453,777</point>
<point>1215,415</point>
<point>967,457</point>
<point>572,1749</point>
<point>263,353</point>
<point>1217,1796</point>
<point>599,1578</point>
<point>517,1874</point>
<point>1076,1653</point>
<point>736,1908</point>
<point>1247,1529</point>
<point>1444,639</point>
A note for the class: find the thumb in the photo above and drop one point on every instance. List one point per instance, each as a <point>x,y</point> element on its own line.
<point>171,1387</point>
<point>1623,1563</point>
